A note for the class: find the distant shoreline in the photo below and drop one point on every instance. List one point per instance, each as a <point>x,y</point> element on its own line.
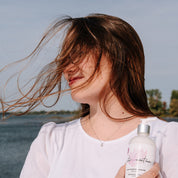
<point>44,112</point>
<point>67,112</point>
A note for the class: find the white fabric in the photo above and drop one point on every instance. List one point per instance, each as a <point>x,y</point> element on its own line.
<point>67,151</point>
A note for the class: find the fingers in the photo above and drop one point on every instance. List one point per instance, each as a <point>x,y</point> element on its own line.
<point>121,172</point>
<point>152,173</point>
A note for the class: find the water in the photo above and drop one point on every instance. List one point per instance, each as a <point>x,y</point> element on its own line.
<point>16,136</point>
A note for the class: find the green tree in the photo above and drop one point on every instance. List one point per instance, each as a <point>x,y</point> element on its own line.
<point>154,101</point>
<point>174,94</point>
<point>174,107</point>
<point>173,110</point>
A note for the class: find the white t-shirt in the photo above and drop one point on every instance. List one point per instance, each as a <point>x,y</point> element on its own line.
<point>67,151</point>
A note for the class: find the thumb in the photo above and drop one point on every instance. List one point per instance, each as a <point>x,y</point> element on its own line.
<point>121,172</point>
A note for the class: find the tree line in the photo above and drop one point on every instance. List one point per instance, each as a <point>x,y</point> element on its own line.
<point>160,107</point>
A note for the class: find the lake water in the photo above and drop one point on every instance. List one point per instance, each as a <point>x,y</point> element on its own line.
<point>16,136</point>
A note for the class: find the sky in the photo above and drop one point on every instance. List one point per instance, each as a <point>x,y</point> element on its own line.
<point>23,22</point>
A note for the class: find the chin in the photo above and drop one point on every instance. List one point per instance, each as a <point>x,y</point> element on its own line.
<point>77,97</point>
<point>83,97</point>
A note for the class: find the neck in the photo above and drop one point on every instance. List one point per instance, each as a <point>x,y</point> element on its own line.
<point>99,118</point>
<point>112,107</point>
<point>101,127</point>
<point>98,123</point>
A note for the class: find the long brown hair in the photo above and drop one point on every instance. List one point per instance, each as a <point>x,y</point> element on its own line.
<point>96,34</point>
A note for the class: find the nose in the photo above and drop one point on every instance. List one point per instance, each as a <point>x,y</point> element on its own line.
<point>71,68</point>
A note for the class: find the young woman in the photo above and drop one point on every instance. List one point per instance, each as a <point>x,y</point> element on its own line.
<point>102,59</point>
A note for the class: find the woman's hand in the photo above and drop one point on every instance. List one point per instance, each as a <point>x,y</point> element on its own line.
<point>152,173</point>
<point>121,172</point>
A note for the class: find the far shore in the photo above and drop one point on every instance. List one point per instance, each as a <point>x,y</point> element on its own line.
<point>44,112</point>
<point>73,113</point>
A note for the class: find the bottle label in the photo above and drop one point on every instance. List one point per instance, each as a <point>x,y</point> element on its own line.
<point>141,158</point>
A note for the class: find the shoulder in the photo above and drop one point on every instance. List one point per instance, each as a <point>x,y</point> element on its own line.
<point>162,126</point>
<point>52,135</point>
<point>165,133</point>
<point>52,128</point>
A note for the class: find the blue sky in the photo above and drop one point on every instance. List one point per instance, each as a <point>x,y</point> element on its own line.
<point>23,22</point>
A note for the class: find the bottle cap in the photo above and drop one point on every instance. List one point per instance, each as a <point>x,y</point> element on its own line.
<point>143,128</point>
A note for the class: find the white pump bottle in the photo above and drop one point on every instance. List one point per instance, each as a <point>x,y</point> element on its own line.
<point>142,151</point>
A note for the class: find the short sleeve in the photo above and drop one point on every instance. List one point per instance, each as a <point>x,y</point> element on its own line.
<point>41,153</point>
<point>169,151</point>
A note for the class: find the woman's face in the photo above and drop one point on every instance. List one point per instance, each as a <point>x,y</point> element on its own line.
<point>77,74</point>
